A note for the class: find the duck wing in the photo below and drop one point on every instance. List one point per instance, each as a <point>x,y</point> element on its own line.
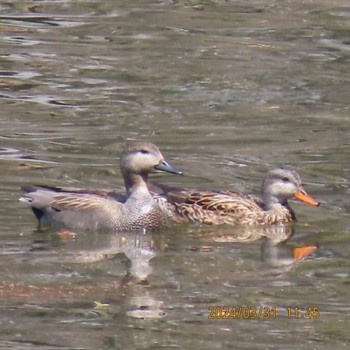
<point>220,201</point>
<point>48,199</point>
<point>69,192</point>
<point>208,207</point>
<point>74,190</point>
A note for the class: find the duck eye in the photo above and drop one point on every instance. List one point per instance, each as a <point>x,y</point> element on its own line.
<point>144,151</point>
<point>285,179</point>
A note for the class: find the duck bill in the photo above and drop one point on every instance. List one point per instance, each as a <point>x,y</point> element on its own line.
<point>165,166</point>
<point>304,197</point>
<point>303,251</point>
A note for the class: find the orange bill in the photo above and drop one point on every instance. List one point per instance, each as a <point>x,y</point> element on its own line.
<point>303,251</point>
<point>304,197</point>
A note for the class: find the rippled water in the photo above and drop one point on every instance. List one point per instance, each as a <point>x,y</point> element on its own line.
<point>227,89</point>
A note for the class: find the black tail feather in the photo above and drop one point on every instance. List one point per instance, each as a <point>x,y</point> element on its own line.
<point>38,213</point>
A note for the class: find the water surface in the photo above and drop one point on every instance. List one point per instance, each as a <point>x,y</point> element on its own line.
<point>228,90</point>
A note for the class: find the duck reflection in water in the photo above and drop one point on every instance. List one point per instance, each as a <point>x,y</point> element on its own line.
<point>92,247</point>
<point>123,284</point>
<point>275,250</point>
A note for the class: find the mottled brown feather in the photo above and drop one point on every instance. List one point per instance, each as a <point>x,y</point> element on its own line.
<point>214,208</point>
<point>227,207</point>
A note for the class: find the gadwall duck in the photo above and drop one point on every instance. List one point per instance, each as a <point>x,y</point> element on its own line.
<point>103,210</point>
<point>232,208</point>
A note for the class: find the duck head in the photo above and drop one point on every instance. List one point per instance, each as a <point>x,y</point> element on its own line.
<point>281,184</point>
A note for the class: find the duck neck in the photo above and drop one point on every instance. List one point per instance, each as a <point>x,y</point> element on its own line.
<point>135,183</point>
<point>271,202</point>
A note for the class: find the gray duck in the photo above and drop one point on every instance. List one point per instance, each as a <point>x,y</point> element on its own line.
<point>106,210</point>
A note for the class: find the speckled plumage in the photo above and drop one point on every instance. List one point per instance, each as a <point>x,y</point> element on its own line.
<point>232,208</point>
<point>106,210</point>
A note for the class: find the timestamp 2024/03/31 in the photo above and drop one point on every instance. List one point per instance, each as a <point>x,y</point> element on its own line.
<point>263,312</point>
